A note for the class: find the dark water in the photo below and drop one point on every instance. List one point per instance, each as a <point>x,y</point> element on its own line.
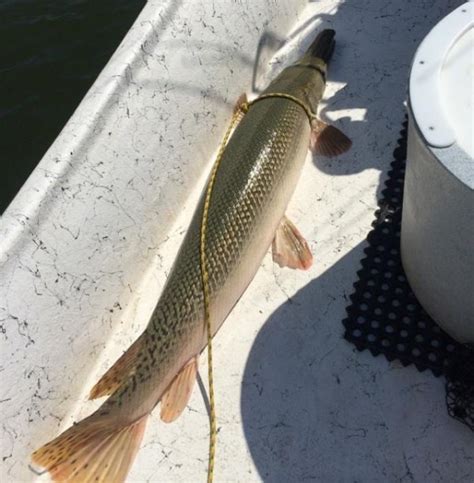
<point>50,54</point>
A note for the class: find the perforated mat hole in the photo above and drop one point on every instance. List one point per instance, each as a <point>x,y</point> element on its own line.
<point>411,307</point>
<point>401,278</point>
<point>450,347</point>
<point>403,333</point>
<point>380,248</point>
<point>392,315</point>
<point>377,259</point>
<point>432,357</point>
<point>385,342</point>
<point>421,324</point>
<point>393,251</point>
<point>374,271</point>
<point>389,329</point>
<point>419,338</point>
<point>378,311</point>
<point>406,320</point>
<point>375,324</point>
<point>361,320</point>
<point>370,283</point>
<point>381,299</point>
<point>387,274</point>
<point>371,338</point>
<point>396,303</point>
<point>435,343</point>
<point>415,352</point>
<point>401,347</point>
<point>357,333</point>
<point>367,295</point>
<point>391,263</point>
<point>363,307</point>
<point>385,286</point>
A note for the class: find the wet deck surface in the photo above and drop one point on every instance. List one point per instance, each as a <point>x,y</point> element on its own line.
<point>295,401</point>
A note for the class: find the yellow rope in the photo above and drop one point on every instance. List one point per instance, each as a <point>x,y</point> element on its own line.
<point>239,112</point>
<point>205,285</point>
<point>311,115</point>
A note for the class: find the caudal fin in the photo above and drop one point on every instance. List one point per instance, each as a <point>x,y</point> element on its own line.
<point>94,450</point>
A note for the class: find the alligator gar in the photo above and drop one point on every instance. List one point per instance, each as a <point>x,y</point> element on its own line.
<point>257,174</point>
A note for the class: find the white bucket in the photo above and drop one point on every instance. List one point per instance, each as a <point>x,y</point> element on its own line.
<point>437,236</point>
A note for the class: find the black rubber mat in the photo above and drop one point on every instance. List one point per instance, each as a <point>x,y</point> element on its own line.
<point>384,315</point>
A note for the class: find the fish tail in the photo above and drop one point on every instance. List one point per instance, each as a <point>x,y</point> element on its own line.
<point>97,449</point>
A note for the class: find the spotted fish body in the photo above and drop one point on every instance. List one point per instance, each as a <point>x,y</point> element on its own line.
<point>256,177</point>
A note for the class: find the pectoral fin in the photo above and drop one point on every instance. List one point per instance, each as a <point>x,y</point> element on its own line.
<point>177,395</point>
<point>241,104</point>
<point>289,248</point>
<point>327,140</point>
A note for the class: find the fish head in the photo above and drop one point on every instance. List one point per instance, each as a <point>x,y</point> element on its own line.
<point>306,78</point>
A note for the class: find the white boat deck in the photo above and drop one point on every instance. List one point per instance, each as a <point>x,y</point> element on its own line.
<point>88,242</point>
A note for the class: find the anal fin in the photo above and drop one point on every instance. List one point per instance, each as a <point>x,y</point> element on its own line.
<point>118,373</point>
<point>177,395</point>
<point>289,248</point>
<point>327,140</point>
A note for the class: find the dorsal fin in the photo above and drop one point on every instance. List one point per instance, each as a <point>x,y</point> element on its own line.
<point>119,372</point>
